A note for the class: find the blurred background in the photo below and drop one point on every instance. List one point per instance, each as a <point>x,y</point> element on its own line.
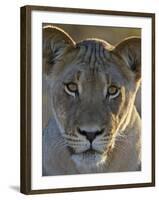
<point>112,35</point>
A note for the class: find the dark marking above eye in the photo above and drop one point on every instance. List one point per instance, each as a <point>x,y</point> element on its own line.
<point>78,74</point>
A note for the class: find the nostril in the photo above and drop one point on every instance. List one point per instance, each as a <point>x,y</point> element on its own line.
<point>100,132</point>
<point>90,135</point>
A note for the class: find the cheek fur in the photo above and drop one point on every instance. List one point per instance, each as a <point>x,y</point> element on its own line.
<point>115,105</point>
<point>65,108</point>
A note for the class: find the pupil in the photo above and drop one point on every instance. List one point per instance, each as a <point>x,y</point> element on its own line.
<point>112,90</point>
<point>72,87</point>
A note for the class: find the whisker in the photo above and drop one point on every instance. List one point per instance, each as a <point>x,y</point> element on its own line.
<point>70,137</point>
<point>78,143</point>
<point>101,143</point>
<point>120,139</point>
<point>76,146</point>
<point>60,143</point>
<point>121,134</point>
<point>78,140</point>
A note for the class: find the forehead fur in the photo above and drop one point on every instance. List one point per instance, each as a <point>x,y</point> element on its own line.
<point>61,54</point>
<point>93,55</point>
<point>95,52</point>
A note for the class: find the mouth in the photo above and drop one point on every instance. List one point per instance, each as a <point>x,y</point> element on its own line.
<point>88,152</point>
<point>88,156</point>
<point>87,161</point>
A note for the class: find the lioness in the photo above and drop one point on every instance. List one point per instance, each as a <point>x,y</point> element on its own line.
<point>92,86</point>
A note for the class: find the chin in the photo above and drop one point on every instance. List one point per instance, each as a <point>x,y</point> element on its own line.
<point>88,162</point>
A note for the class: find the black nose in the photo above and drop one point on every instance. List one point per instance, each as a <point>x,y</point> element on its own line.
<point>90,135</point>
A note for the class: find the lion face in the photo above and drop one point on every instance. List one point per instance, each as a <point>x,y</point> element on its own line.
<point>93,89</point>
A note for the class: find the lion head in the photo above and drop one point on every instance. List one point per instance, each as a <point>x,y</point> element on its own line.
<point>93,86</point>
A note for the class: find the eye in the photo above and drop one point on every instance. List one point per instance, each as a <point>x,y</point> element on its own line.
<point>113,91</point>
<point>71,89</point>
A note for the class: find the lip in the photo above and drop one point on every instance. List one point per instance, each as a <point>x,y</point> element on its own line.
<point>89,151</point>
<point>92,151</point>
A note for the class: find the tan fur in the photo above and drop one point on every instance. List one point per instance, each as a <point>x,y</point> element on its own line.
<point>112,121</point>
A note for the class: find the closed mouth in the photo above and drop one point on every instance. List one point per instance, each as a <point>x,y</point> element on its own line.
<point>88,158</point>
<point>90,152</point>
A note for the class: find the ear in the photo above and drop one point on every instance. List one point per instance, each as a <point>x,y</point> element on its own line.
<point>130,51</point>
<point>55,44</point>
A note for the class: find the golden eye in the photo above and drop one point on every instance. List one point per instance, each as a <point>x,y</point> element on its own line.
<point>113,91</point>
<point>71,88</point>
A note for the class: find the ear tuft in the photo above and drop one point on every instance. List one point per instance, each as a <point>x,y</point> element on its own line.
<point>56,42</point>
<point>130,51</point>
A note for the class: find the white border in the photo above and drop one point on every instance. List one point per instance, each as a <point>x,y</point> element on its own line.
<point>39,182</point>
